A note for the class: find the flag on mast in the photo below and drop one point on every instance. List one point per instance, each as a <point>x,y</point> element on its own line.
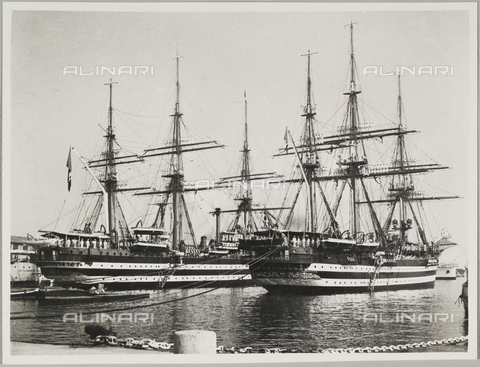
<point>69,166</point>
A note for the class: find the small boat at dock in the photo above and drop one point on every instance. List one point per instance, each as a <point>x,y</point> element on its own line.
<point>17,294</point>
<point>57,296</point>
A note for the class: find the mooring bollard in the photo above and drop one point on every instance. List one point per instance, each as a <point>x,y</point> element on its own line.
<point>195,342</point>
<point>98,329</point>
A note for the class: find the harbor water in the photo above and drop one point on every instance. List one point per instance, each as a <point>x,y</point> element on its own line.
<point>250,316</point>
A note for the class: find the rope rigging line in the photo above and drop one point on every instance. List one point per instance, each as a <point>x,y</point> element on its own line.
<point>60,217</point>
<point>365,104</point>
<point>136,115</point>
<point>134,132</point>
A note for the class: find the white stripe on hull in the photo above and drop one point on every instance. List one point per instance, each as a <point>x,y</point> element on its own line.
<point>335,283</point>
<point>316,267</point>
<point>131,266</point>
<point>232,272</point>
<point>171,279</point>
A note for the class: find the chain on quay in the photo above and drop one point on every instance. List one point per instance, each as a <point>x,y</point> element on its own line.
<point>149,344</point>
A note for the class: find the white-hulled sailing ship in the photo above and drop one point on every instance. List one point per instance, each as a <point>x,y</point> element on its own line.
<point>353,246</point>
<point>142,256</point>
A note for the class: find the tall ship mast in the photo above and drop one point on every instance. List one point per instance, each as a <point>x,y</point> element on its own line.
<point>308,160</point>
<point>139,257</point>
<point>371,252</point>
<point>245,197</point>
<point>245,227</point>
<point>353,168</point>
<point>117,227</point>
<point>113,230</point>
<point>309,180</point>
<point>175,188</point>
<point>403,199</point>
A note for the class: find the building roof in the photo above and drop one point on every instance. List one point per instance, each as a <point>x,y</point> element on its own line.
<point>17,239</point>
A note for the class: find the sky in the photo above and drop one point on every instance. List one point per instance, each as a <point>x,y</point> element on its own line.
<point>225,52</point>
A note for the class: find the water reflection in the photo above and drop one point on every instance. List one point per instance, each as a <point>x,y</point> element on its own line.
<point>253,317</point>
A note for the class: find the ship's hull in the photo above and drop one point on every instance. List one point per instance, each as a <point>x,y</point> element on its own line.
<point>346,279</point>
<point>319,271</point>
<point>24,274</point>
<point>447,272</point>
<point>189,277</point>
<point>123,269</point>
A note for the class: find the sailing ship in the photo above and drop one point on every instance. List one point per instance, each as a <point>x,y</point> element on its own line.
<point>141,257</point>
<point>369,253</point>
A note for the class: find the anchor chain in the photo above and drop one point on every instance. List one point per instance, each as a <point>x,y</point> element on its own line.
<point>131,343</point>
<point>150,344</point>
<point>376,349</point>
